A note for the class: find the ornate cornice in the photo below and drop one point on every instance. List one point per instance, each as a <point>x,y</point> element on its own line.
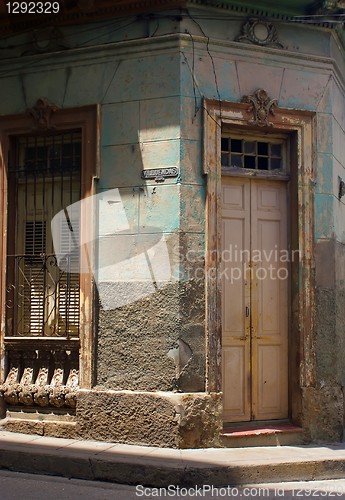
<point>84,11</point>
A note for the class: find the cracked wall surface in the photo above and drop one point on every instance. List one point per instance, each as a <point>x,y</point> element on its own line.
<point>151,117</point>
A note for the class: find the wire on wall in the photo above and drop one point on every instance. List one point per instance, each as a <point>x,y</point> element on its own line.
<point>192,71</point>
<point>212,60</point>
<point>68,75</point>
<point>38,59</point>
<point>111,80</point>
<point>21,77</point>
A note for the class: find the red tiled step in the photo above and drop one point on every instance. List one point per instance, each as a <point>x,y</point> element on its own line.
<point>255,430</point>
<point>265,435</point>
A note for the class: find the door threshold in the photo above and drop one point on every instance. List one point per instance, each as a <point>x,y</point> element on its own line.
<point>268,433</point>
<point>255,424</point>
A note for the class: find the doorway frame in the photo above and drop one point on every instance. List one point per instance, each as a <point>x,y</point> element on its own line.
<point>299,125</point>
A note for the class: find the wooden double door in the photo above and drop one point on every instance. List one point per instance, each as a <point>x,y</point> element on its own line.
<point>255,288</point>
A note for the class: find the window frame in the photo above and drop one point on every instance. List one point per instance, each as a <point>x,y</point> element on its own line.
<point>86,119</point>
<point>252,135</point>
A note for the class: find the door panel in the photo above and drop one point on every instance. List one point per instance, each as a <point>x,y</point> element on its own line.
<point>269,377</point>
<point>236,291</point>
<point>236,395</point>
<point>269,300</point>
<point>255,299</point>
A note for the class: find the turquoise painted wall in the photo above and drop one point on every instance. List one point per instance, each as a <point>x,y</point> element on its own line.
<point>149,83</point>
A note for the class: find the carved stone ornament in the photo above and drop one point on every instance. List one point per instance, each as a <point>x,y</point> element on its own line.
<point>72,386</point>
<point>10,387</point>
<point>48,39</point>
<point>261,106</point>
<point>54,368</point>
<point>41,393</point>
<point>42,113</point>
<point>259,32</point>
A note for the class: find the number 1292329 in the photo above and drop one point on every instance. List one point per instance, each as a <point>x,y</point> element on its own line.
<point>33,7</point>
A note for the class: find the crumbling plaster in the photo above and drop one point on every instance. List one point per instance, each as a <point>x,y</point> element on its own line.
<point>151,103</point>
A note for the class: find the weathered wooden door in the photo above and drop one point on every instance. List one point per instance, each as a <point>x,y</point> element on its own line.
<point>255,288</point>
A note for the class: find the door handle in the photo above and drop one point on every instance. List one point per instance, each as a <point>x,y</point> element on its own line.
<point>247,312</point>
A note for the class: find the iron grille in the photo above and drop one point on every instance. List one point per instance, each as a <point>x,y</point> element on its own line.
<point>43,298</point>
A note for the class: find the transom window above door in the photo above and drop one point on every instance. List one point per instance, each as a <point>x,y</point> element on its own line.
<point>253,153</point>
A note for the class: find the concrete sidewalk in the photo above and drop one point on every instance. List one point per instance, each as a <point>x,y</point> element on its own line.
<point>151,466</point>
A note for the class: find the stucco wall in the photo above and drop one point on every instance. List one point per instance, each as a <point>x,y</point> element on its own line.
<point>301,76</point>
<point>153,338</point>
<point>150,90</point>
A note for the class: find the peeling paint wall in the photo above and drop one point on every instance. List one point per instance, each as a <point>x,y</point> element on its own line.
<point>150,91</point>
<point>143,131</point>
<point>330,272</point>
<point>300,76</point>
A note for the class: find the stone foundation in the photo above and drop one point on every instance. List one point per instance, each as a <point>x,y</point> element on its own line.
<point>323,413</point>
<point>176,420</point>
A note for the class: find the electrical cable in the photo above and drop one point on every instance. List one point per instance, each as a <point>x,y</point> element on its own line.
<point>49,54</point>
<point>196,86</point>
<point>81,31</point>
<point>212,61</point>
<point>196,109</point>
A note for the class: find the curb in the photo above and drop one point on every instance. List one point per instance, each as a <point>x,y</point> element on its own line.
<point>158,467</point>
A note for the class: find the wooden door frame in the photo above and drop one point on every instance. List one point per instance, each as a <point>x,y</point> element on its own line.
<point>45,117</point>
<point>300,127</point>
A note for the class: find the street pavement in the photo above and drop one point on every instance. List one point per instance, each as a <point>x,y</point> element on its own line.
<point>15,485</point>
<point>131,464</point>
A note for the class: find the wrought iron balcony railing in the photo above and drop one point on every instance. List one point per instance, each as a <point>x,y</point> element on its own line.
<point>43,297</point>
